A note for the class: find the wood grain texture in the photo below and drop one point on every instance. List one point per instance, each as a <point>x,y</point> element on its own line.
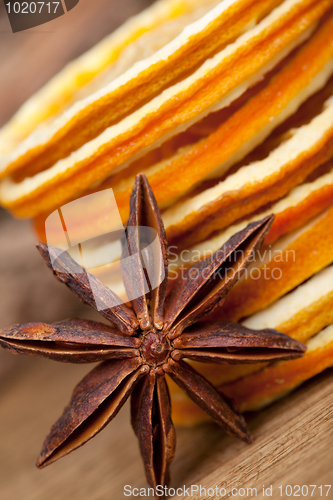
<point>292,444</point>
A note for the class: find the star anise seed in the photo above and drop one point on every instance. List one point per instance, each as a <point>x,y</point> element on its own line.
<point>149,340</point>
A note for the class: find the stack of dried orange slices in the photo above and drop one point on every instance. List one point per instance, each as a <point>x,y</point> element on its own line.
<point>227,108</point>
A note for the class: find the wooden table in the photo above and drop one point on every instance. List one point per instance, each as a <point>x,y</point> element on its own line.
<point>293,437</point>
<point>293,444</point>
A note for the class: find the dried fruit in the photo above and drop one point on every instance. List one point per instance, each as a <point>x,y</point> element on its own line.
<point>149,341</point>
<point>292,212</point>
<point>139,37</point>
<point>301,314</point>
<point>230,119</point>
<point>269,384</point>
<point>101,135</point>
<point>290,261</point>
<point>235,137</point>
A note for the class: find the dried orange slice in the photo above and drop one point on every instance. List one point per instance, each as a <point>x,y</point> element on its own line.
<point>291,212</point>
<point>227,107</point>
<point>213,156</point>
<point>276,380</point>
<point>214,85</point>
<point>253,185</point>
<point>300,314</point>
<point>143,81</point>
<point>281,267</point>
<point>164,20</point>
<point>260,389</point>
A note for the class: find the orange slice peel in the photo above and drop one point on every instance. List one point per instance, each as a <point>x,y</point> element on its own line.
<point>210,87</point>
<point>227,108</point>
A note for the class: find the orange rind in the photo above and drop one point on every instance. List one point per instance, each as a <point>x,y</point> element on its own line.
<point>227,108</point>
<point>277,380</point>
<point>144,80</point>
<point>161,22</point>
<point>213,156</point>
<point>273,382</point>
<point>281,267</point>
<point>254,185</point>
<point>301,314</point>
<point>292,212</point>
<point>214,85</point>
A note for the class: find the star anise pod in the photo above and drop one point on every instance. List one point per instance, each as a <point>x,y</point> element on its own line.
<point>149,340</point>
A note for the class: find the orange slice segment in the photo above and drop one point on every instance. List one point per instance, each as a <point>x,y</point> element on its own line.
<point>300,314</point>
<point>254,185</point>
<point>260,389</point>
<point>105,107</point>
<point>212,157</point>
<point>303,312</point>
<point>67,86</point>
<point>212,86</point>
<point>280,268</point>
<point>292,212</point>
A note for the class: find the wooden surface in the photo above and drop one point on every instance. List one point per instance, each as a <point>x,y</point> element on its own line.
<point>293,444</point>
<point>293,437</point>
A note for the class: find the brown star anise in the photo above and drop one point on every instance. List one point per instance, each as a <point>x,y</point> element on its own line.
<point>149,340</point>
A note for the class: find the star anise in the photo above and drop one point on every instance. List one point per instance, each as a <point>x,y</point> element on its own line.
<point>149,340</point>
